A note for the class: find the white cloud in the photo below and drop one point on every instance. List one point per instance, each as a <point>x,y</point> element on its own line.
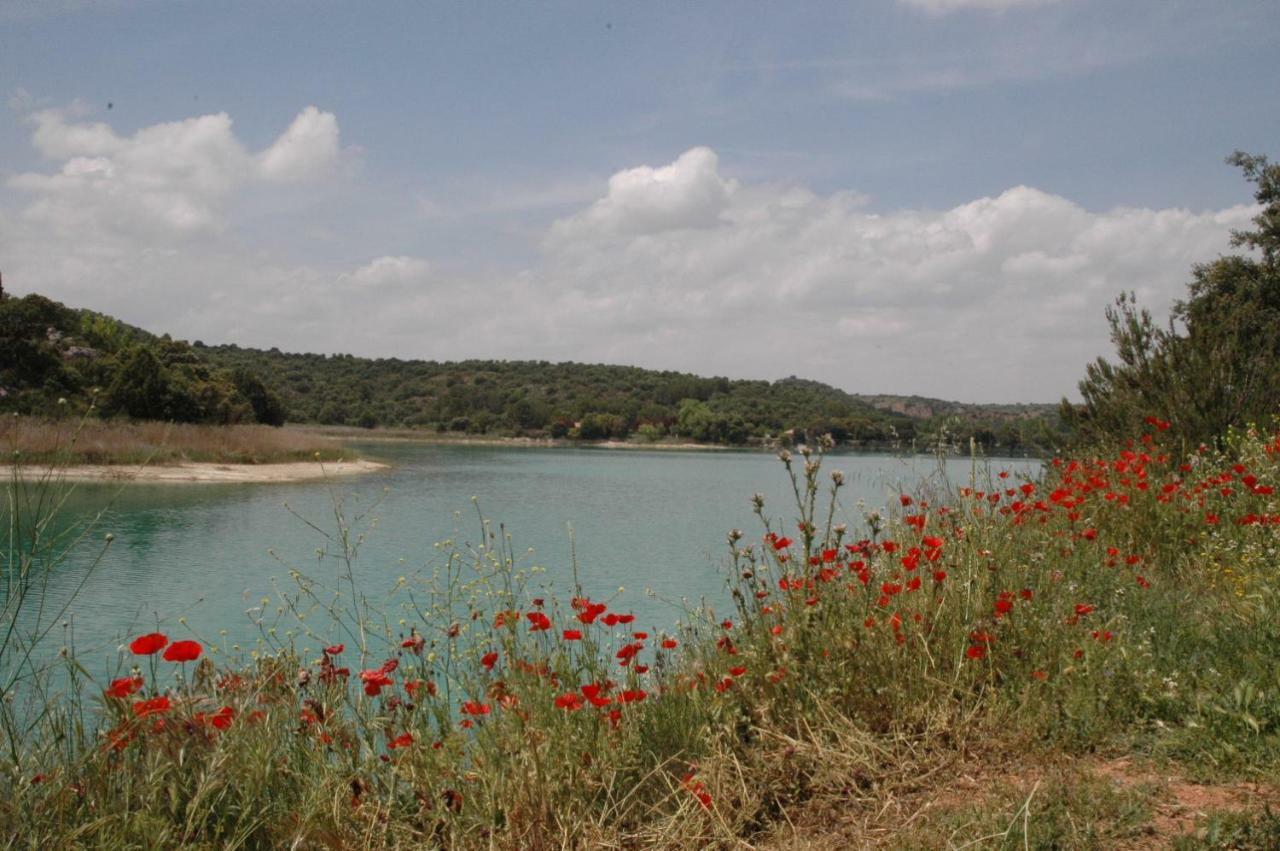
<point>1001,297</point>
<point>673,266</point>
<point>942,7</point>
<point>386,273</point>
<point>167,179</point>
<point>688,193</point>
<point>306,150</point>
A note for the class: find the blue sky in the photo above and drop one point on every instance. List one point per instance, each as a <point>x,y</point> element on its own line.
<point>918,196</point>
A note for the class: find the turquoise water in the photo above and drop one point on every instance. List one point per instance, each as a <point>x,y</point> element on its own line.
<point>640,520</point>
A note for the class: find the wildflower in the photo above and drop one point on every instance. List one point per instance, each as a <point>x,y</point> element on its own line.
<point>334,649</point>
<point>154,706</point>
<point>489,660</point>
<point>538,622</point>
<point>475,707</point>
<point>591,691</point>
<point>573,635</point>
<point>123,687</point>
<point>976,651</point>
<point>569,701</point>
<point>737,671</point>
<point>145,645</point>
<point>1142,582</point>
<point>183,651</point>
<point>401,741</point>
<point>669,643</point>
<point>375,681</point>
<point>1083,609</point>
<point>414,642</point>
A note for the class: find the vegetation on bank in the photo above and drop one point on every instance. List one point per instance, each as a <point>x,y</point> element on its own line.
<point>41,441</point>
<point>54,359</point>
<point>601,402</point>
<point>1123,603</point>
<point>1216,364</point>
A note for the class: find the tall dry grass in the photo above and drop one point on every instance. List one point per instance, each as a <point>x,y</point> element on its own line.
<point>93,441</point>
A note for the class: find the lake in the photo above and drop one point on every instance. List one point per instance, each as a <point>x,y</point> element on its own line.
<point>639,519</point>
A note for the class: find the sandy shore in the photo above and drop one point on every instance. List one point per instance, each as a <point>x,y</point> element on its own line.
<point>299,471</point>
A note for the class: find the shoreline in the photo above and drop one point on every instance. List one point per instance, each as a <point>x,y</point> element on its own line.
<point>209,472</point>
<point>349,436</point>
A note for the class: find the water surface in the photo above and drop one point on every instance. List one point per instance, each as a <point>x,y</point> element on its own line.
<point>639,519</point>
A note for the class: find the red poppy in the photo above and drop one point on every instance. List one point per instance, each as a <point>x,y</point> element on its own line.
<point>489,660</point>
<point>414,642</point>
<point>375,681</point>
<point>475,707</point>
<point>123,687</point>
<point>573,635</point>
<point>669,643</point>
<point>1083,608</point>
<point>335,649</point>
<point>401,741</point>
<point>152,642</point>
<point>591,691</point>
<point>183,651</point>
<point>538,622</point>
<point>977,651</point>
<point>633,696</point>
<point>570,701</point>
<point>154,706</point>
<point>737,671</point>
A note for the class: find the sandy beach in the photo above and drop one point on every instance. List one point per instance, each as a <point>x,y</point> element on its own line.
<point>298,471</point>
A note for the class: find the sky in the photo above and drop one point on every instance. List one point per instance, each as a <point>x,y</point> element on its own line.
<point>932,197</point>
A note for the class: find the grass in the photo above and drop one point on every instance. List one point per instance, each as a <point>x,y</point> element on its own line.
<point>121,442</point>
<point>946,677</point>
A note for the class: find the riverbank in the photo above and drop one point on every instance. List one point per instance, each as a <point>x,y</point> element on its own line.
<point>119,443</point>
<point>297,471</point>
<point>435,438</point>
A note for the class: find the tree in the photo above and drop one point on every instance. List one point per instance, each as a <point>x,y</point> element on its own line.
<point>267,407</point>
<point>1217,362</point>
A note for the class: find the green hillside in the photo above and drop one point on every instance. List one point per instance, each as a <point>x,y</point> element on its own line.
<point>50,352</point>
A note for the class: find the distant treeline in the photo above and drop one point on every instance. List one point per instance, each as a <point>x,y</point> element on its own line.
<point>49,352</point>
<point>598,402</point>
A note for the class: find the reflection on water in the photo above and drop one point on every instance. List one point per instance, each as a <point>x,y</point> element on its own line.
<point>639,519</point>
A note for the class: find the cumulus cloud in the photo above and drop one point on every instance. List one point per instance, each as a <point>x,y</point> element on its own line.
<point>674,266</point>
<point>1001,297</point>
<point>165,179</point>
<point>306,150</point>
<point>688,193</point>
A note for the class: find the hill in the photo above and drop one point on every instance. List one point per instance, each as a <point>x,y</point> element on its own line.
<point>50,352</point>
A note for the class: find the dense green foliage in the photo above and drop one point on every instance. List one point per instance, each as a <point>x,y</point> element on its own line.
<point>49,352</point>
<point>599,402</point>
<point>1217,363</point>
<point>52,355</point>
